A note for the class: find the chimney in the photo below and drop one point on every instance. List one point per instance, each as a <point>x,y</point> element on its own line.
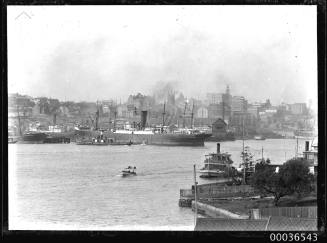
<point>218,148</point>
<point>143,118</point>
<point>306,145</point>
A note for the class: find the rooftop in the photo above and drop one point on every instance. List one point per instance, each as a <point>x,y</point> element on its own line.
<point>272,224</point>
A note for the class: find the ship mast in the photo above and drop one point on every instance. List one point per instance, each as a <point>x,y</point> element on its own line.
<point>223,110</point>
<point>163,115</point>
<point>97,118</point>
<point>195,196</point>
<point>184,115</point>
<point>109,124</point>
<point>192,119</point>
<point>115,115</point>
<point>243,150</point>
<point>19,125</point>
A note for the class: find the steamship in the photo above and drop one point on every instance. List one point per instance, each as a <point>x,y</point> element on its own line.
<point>218,165</point>
<point>151,136</point>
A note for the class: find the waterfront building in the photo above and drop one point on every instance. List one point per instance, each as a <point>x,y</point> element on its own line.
<point>243,118</point>
<point>219,128</point>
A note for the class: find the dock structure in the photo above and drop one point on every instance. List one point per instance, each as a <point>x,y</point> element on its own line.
<point>215,191</point>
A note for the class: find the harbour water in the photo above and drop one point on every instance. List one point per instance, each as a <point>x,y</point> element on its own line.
<point>71,187</point>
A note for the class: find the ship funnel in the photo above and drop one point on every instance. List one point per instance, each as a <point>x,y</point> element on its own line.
<point>306,145</point>
<point>143,118</point>
<point>218,148</point>
<point>54,119</point>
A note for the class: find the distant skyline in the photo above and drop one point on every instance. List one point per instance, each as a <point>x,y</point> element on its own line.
<point>89,53</point>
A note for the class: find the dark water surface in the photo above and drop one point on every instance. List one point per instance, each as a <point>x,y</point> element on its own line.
<point>70,187</point>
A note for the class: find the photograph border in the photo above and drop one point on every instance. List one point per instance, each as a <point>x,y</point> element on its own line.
<point>221,235</point>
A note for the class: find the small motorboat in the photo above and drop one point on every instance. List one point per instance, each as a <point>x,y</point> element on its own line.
<point>259,137</point>
<point>129,171</point>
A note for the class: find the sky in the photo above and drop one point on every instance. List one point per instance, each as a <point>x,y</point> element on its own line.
<point>89,53</point>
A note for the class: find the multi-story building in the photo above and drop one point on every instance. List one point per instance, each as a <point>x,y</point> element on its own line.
<point>254,110</point>
<point>227,104</point>
<point>202,112</point>
<point>267,115</point>
<point>214,98</point>
<point>239,104</point>
<point>243,118</point>
<point>298,108</point>
<point>214,111</point>
<point>217,98</point>
<point>219,105</point>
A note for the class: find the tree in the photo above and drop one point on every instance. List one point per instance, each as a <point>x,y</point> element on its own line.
<point>261,163</point>
<point>296,174</point>
<point>248,162</point>
<point>293,177</point>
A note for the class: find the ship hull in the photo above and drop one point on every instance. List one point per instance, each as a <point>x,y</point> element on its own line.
<point>153,139</point>
<point>211,173</point>
<point>56,139</point>
<point>46,137</point>
<point>33,137</point>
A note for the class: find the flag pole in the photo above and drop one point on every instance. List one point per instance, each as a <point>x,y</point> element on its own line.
<point>195,197</point>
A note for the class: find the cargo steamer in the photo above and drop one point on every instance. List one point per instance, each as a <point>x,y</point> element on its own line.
<point>159,135</point>
<point>150,138</point>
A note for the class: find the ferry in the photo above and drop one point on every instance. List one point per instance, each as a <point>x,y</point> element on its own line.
<point>217,165</point>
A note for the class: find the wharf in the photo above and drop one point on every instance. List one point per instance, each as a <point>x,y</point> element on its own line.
<point>213,191</point>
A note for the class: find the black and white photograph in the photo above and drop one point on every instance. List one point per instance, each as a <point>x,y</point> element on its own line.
<point>162,118</point>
